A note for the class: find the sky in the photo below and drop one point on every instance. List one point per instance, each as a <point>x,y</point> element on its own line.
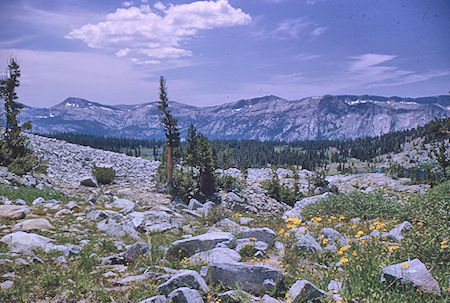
<point>214,52</point>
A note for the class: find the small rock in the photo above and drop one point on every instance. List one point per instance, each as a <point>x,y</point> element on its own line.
<point>303,290</point>
<point>194,204</point>
<point>264,234</point>
<point>307,242</point>
<point>39,224</point>
<point>137,250</point>
<point>89,181</point>
<point>123,203</point>
<point>188,278</point>
<point>185,295</point>
<point>7,284</point>
<point>414,272</point>
<point>187,247</point>
<point>20,241</point>
<point>333,236</point>
<point>13,212</point>
<point>397,232</point>
<point>215,255</point>
<point>254,279</point>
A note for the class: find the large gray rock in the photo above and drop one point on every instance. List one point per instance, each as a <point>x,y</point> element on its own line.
<point>215,255</point>
<point>20,241</point>
<point>189,278</point>
<point>305,291</point>
<point>296,211</point>
<point>194,204</point>
<point>307,242</point>
<point>185,295</point>
<point>414,272</point>
<point>254,279</point>
<point>333,236</point>
<point>123,203</point>
<point>264,234</point>
<point>40,224</point>
<point>397,233</point>
<point>136,250</point>
<point>137,278</point>
<point>89,181</point>
<point>155,299</point>
<point>187,247</point>
<point>13,212</point>
<point>118,228</point>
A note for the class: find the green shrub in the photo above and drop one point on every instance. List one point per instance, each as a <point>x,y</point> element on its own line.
<point>104,175</point>
<point>281,192</point>
<point>184,184</point>
<point>356,204</point>
<point>29,193</point>
<point>229,183</point>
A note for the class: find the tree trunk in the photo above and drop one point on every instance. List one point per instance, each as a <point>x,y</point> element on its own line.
<point>170,165</point>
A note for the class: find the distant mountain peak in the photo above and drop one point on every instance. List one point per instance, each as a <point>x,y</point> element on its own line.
<point>264,118</point>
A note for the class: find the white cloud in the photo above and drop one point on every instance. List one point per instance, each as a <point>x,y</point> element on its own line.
<point>296,28</point>
<point>359,73</point>
<point>127,3</point>
<point>158,34</point>
<point>160,6</point>
<point>363,62</point>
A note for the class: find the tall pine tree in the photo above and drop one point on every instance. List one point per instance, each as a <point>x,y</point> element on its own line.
<point>170,125</point>
<point>14,152</point>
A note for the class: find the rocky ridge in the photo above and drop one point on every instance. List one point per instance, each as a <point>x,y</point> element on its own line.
<point>265,118</point>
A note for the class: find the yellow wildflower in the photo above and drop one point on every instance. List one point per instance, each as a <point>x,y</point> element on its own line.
<point>344,260</point>
<point>406,265</point>
<point>392,248</point>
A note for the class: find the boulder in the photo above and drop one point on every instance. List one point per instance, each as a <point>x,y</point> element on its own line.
<point>13,212</point>
<point>397,233</point>
<point>413,272</point>
<point>189,278</point>
<point>258,245</point>
<point>305,291</point>
<point>89,181</point>
<point>299,205</point>
<point>138,278</point>
<point>194,204</point>
<point>254,279</point>
<point>333,236</point>
<point>136,250</point>
<point>227,224</point>
<point>20,241</point>
<point>307,242</point>
<point>187,247</point>
<point>40,224</point>
<point>123,203</point>
<point>185,295</point>
<point>215,255</point>
<point>264,234</point>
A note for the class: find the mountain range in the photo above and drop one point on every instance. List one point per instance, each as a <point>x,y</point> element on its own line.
<point>265,118</point>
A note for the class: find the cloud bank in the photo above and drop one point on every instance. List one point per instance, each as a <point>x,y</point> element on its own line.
<point>149,34</point>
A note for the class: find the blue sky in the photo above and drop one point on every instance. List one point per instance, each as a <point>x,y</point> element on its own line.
<point>212,52</point>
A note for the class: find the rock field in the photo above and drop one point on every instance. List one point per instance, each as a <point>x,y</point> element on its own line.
<point>134,242</point>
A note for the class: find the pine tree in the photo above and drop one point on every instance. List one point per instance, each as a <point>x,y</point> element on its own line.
<point>14,152</point>
<point>206,165</point>
<point>190,151</point>
<point>171,129</point>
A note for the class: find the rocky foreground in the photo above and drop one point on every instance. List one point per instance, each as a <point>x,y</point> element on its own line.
<point>127,243</point>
